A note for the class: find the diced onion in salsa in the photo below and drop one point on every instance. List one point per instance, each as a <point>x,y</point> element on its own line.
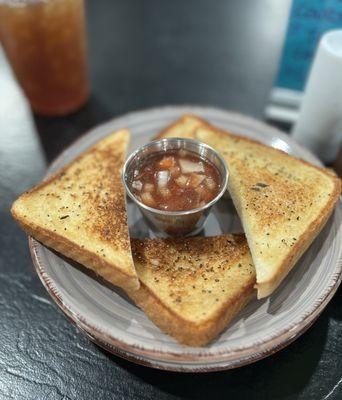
<point>162,178</point>
<point>210,183</point>
<point>147,198</point>
<point>182,180</point>
<point>175,180</point>
<point>195,180</point>
<point>188,166</point>
<point>137,185</point>
<point>148,187</point>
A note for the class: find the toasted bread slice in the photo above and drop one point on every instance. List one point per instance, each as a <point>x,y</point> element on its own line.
<point>283,202</point>
<point>81,212</point>
<point>191,288</point>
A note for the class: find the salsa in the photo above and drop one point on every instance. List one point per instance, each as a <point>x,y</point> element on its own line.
<point>176,180</point>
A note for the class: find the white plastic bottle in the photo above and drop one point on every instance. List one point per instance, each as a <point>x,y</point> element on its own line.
<point>319,126</point>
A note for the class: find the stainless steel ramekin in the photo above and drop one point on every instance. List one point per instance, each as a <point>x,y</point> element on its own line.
<point>175,223</point>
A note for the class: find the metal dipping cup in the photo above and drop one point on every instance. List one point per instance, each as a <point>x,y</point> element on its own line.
<point>174,223</point>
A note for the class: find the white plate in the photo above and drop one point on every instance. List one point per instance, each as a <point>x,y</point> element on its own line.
<point>262,328</point>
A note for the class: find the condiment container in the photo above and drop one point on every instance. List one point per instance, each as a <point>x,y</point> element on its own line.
<point>175,223</point>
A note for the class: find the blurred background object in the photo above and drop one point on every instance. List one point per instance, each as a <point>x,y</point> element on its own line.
<point>20,146</point>
<point>45,43</point>
<point>308,21</point>
<point>319,125</point>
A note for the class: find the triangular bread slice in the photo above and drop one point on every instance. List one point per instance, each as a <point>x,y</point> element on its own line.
<point>192,287</point>
<point>81,212</point>
<point>283,202</point>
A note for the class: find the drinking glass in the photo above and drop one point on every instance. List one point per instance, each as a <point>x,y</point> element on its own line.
<point>45,43</point>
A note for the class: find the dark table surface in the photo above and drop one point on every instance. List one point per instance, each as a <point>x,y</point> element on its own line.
<point>143,54</point>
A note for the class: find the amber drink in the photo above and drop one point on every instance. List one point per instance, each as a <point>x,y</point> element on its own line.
<point>45,43</point>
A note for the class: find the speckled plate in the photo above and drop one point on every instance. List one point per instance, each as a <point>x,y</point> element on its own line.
<point>262,328</point>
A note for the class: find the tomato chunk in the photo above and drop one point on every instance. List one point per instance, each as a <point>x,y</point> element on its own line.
<point>177,180</point>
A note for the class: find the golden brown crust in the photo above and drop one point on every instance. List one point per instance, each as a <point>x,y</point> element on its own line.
<point>267,286</point>
<point>326,171</point>
<point>192,287</point>
<point>204,123</point>
<point>108,206</point>
<point>179,122</point>
<point>182,330</point>
<point>81,211</point>
<point>110,272</point>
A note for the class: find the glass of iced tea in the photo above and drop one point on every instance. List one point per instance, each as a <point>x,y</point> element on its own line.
<point>45,42</point>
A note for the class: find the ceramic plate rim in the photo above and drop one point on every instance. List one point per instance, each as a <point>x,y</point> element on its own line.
<point>169,360</point>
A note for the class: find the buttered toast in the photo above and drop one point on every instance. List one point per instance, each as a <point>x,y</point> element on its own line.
<point>192,287</point>
<point>283,202</point>
<point>81,212</point>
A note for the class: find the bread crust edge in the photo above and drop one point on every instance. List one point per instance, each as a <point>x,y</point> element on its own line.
<point>267,287</point>
<point>184,331</point>
<point>204,123</point>
<point>77,253</point>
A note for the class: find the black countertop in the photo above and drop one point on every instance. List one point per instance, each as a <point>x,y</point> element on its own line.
<point>143,54</point>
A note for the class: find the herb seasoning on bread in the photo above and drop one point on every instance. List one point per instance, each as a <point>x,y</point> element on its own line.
<point>283,202</point>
